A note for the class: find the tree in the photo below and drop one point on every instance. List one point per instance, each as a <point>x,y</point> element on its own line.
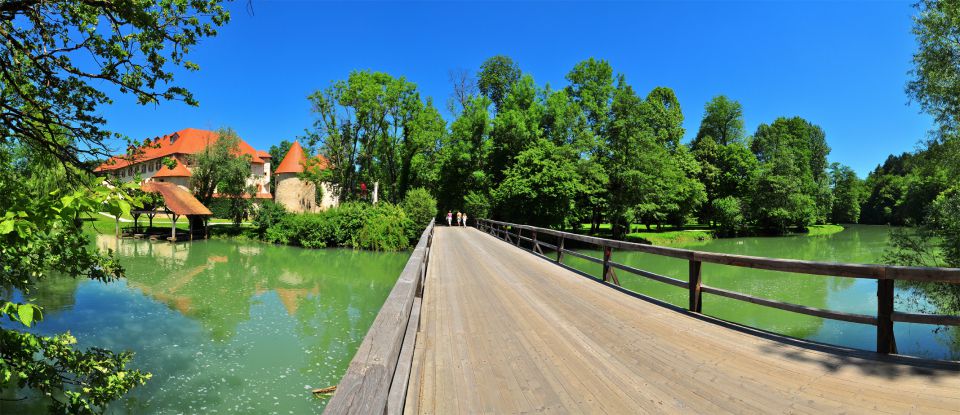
<point>496,78</point>
<point>515,127</point>
<point>464,87</point>
<point>723,121</point>
<point>223,170</point>
<point>727,165</point>
<point>56,57</point>
<point>540,187</point>
<point>791,188</point>
<point>56,62</point>
<point>846,194</point>
<point>592,89</point>
<point>363,126</point>
<point>463,157</point>
<point>936,74</point>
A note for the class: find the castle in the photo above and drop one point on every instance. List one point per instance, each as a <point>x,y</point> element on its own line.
<point>294,193</point>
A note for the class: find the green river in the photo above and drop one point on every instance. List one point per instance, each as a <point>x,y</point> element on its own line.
<point>246,327</point>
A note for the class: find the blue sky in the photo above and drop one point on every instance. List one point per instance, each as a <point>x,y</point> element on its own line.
<point>842,66</point>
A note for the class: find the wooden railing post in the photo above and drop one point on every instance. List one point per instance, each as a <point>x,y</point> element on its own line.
<point>560,251</point>
<point>536,244</point>
<point>696,296</point>
<point>518,236</point>
<point>886,341</point>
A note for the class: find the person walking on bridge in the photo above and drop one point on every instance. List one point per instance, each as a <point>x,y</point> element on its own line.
<point>464,218</point>
<point>449,218</point>
<point>459,218</point>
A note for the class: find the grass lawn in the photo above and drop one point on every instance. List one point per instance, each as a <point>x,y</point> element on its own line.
<point>820,230</point>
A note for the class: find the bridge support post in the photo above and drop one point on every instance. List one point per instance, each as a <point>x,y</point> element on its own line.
<point>560,251</point>
<point>696,296</point>
<point>518,236</point>
<point>886,341</point>
<point>536,244</point>
<point>608,274</point>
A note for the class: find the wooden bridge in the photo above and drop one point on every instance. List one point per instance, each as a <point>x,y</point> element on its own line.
<point>476,324</point>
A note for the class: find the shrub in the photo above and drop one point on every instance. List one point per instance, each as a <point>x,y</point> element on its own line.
<point>268,214</point>
<point>420,206</point>
<point>384,227</point>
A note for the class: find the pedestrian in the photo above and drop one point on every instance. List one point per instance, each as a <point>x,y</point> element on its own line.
<point>464,218</point>
<point>459,218</point>
<point>449,217</point>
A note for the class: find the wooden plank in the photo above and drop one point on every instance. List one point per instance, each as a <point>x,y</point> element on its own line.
<point>365,387</point>
<point>584,256</point>
<point>936,319</point>
<point>401,376</point>
<point>650,275</point>
<point>796,308</point>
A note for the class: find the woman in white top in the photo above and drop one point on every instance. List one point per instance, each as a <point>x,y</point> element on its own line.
<point>464,219</point>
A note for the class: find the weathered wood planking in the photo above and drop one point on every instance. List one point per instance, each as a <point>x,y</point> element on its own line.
<point>365,388</point>
<point>506,332</point>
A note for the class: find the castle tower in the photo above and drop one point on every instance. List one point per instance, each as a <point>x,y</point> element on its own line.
<point>294,193</point>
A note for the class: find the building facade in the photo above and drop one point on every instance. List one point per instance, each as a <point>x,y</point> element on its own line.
<point>181,146</point>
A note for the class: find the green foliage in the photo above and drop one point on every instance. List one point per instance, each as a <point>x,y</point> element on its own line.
<point>791,188</point>
<point>222,169</point>
<point>728,212</point>
<point>382,227</point>
<point>496,78</point>
<point>57,57</point>
<point>41,237</point>
<point>420,206</point>
<point>722,121</point>
<point>476,204</point>
<point>267,215</point>
<point>846,194</point>
<point>936,82</point>
<point>540,186</point>
<point>372,127</point>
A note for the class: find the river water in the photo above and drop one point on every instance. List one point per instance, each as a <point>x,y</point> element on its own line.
<point>246,327</point>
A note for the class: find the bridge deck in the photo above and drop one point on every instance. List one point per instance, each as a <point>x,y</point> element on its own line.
<point>503,331</point>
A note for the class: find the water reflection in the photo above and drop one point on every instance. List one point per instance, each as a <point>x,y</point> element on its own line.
<point>226,326</point>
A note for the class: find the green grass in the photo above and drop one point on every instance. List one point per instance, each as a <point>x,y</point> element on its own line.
<point>820,230</point>
<point>679,237</point>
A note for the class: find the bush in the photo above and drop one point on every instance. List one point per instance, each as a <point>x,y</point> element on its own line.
<point>420,206</point>
<point>268,214</point>
<point>384,227</point>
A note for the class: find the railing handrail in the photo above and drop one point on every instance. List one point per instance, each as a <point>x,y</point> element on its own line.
<point>366,386</point>
<point>837,269</point>
<point>885,275</point>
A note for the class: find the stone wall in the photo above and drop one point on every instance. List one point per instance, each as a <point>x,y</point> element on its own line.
<point>298,195</point>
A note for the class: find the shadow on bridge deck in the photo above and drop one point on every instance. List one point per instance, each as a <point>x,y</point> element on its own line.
<point>503,331</point>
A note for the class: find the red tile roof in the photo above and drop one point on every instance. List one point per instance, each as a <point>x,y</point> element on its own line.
<point>177,199</point>
<point>296,158</point>
<point>186,141</point>
<point>178,171</point>
<point>264,154</point>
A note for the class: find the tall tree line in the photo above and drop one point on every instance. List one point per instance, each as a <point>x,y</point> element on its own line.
<point>592,152</point>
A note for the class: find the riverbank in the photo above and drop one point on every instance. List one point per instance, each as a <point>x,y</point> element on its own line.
<point>691,235</point>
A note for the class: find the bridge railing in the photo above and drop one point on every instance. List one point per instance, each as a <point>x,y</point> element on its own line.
<point>884,274</point>
<point>376,380</point>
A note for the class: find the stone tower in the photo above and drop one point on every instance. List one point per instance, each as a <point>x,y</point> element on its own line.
<point>294,193</point>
